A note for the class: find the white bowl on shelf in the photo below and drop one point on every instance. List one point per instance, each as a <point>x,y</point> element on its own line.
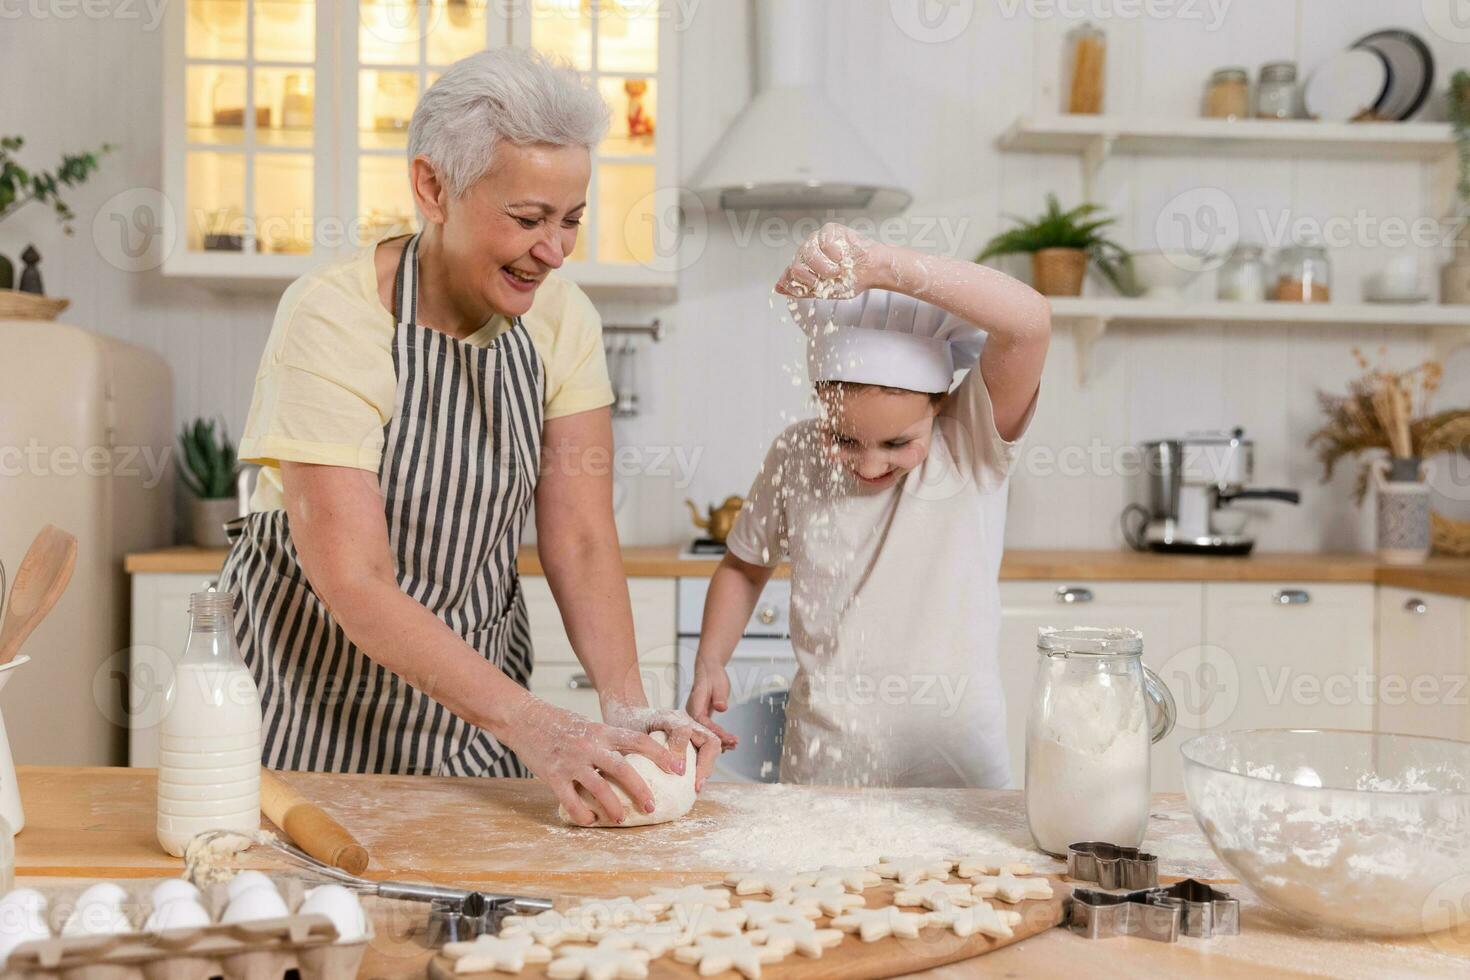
<point>1362,831</point>
<point>1163,274</point>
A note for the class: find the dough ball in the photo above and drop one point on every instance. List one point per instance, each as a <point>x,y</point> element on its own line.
<point>673,796</point>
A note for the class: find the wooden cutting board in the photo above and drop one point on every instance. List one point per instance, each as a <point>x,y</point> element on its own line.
<point>853,959</point>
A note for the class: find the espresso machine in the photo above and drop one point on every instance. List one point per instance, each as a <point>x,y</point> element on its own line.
<point>1192,483</point>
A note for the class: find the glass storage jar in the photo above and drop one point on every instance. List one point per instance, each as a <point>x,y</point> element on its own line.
<point>1242,279</point>
<point>1276,91</point>
<point>1228,95</point>
<point>1085,66</point>
<point>1303,274</point>
<point>1095,713</point>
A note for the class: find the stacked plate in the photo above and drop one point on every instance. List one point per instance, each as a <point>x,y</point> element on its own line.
<point>1385,76</point>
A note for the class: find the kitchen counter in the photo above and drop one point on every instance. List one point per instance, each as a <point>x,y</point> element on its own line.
<point>87,824</point>
<point>1445,576</point>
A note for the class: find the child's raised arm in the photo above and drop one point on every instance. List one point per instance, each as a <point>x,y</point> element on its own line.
<point>1015,317</point>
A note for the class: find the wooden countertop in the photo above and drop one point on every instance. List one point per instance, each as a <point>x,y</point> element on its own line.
<point>1445,576</point>
<point>86,824</point>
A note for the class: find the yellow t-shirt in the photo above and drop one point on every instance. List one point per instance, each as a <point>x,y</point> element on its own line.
<point>326,386</point>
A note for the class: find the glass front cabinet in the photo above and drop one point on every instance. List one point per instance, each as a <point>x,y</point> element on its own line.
<point>286,126</point>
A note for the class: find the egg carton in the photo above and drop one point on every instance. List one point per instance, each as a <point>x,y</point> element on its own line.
<point>265,949</point>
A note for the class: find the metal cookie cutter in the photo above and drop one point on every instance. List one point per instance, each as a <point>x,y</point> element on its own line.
<point>1112,866</point>
<point>1190,907</point>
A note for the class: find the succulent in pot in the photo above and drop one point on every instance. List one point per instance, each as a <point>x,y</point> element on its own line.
<point>208,469</point>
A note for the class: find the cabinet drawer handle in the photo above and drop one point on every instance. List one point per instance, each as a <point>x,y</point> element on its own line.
<point>579,682</point>
<point>767,615</point>
<point>1071,595</point>
<point>1416,606</point>
<point>1293,597</point>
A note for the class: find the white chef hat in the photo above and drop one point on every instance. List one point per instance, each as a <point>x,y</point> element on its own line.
<point>884,338</point>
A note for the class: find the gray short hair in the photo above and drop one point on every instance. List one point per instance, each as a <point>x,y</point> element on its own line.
<point>511,94</point>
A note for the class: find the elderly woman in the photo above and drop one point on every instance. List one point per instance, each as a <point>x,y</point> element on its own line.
<point>412,401</point>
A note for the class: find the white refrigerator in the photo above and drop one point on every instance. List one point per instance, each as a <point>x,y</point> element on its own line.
<point>86,444</point>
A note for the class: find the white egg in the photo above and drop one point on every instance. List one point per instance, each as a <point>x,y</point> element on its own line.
<point>23,916</point>
<point>10,939</point>
<point>245,881</point>
<point>339,905</point>
<point>27,898</point>
<point>172,889</point>
<point>253,904</point>
<point>104,892</point>
<point>178,913</point>
<point>97,919</point>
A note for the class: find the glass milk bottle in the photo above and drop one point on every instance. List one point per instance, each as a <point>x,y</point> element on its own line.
<point>210,739</point>
<point>1095,713</point>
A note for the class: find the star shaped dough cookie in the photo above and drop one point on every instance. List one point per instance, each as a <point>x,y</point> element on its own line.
<point>831,899</point>
<point>716,954</point>
<point>982,918</point>
<point>935,894</point>
<point>773,883</point>
<point>611,959</point>
<point>912,870</point>
<point>801,937</point>
<point>854,879</point>
<point>872,925</point>
<point>507,954</point>
<point>974,865</point>
<point>1009,888</point>
<point>758,914</point>
<point>550,928</point>
<point>663,899</point>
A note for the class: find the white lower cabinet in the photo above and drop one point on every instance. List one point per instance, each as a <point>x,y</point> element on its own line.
<point>1423,663</point>
<point>1288,655</point>
<point>559,678</point>
<point>1167,613</point>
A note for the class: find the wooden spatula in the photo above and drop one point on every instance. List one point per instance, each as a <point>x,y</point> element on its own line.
<point>41,579</point>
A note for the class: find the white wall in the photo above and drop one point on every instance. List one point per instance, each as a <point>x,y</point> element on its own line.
<point>722,384</point>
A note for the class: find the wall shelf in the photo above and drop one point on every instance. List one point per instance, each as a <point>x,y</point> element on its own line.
<point>1090,318</point>
<point>1095,138</point>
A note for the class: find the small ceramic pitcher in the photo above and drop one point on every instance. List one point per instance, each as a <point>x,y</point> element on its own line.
<point>1403,526</point>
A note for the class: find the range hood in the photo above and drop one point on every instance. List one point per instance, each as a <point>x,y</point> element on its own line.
<point>793,148</point>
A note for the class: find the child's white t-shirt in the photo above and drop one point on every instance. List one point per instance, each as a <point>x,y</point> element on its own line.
<point>895,610</point>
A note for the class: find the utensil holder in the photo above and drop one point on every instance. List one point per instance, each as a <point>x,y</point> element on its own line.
<point>1402,519</point>
<point>10,807</point>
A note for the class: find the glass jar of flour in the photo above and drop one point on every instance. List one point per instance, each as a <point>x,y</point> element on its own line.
<point>1095,713</point>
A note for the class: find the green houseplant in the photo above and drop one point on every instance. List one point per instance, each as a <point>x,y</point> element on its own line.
<point>208,468</point>
<point>19,187</point>
<point>1060,244</point>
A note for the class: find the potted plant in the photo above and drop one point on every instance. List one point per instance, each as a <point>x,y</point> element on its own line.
<point>208,470</point>
<point>1060,244</point>
<point>19,187</point>
<point>1385,416</point>
<point>1455,276</point>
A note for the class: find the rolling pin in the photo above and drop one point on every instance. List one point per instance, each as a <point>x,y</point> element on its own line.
<point>309,827</point>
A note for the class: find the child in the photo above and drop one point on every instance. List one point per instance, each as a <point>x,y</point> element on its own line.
<point>891,507</point>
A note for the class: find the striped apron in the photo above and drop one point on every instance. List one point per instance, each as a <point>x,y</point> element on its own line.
<point>461,457</point>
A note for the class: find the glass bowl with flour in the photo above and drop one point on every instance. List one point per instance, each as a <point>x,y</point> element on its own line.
<point>1356,830</point>
<point>1095,713</point>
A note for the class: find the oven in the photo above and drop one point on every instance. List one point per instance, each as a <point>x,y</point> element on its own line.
<point>761,672</point>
